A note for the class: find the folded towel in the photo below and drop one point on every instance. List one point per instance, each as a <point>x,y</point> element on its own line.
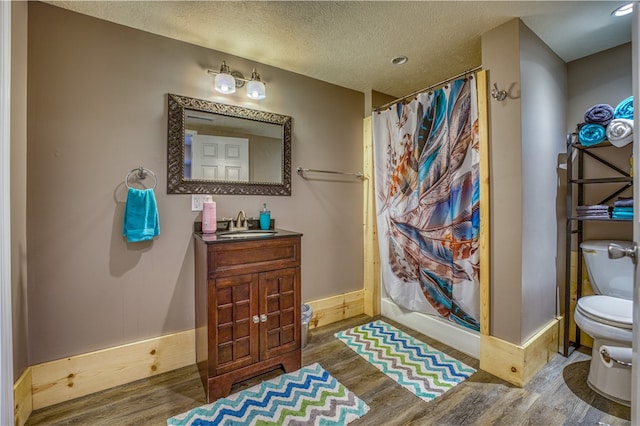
<point>591,213</point>
<point>623,202</point>
<point>590,216</point>
<point>591,134</point>
<point>621,217</point>
<point>624,109</point>
<point>623,209</point>
<point>593,207</point>
<point>619,213</point>
<point>141,221</point>
<point>620,132</point>
<point>599,114</point>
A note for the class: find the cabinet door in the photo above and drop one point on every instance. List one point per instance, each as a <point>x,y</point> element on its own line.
<point>280,302</point>
<point>234,330</point>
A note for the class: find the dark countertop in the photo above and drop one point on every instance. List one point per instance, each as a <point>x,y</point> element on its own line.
<point>215,239</point>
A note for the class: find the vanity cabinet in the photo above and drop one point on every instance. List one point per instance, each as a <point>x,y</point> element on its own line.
<point>248,308</point>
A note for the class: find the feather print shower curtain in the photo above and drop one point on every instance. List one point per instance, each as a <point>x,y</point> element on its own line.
<point>427,193</point>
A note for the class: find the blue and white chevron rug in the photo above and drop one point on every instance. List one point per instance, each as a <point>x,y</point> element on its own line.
<point>426,372</point>
<point>309,396</point>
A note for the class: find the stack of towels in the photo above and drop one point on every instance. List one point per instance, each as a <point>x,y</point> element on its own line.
<point>623,208</point>
<point>602,122</point>
<point>597,211</point>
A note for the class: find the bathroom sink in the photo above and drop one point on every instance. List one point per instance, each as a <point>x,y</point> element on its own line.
<point>246,233</point>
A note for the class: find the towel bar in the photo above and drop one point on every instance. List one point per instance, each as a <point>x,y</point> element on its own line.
<point>359,175</point>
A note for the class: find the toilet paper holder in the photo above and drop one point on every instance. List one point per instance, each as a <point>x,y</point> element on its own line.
<point>608,358</point>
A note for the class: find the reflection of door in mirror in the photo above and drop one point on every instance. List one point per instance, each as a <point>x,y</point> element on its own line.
<point>220,158</point>
<point>262,165</point>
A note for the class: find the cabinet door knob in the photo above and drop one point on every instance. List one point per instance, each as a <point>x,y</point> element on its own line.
<point>256,319</point>
<point>263,318</point>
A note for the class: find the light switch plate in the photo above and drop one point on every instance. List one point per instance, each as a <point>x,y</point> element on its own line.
<point>196,202</point>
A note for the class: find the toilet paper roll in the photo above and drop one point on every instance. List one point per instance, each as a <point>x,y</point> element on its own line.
<point>611,354</point>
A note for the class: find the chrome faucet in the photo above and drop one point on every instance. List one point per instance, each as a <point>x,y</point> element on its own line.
<point>241,221</point>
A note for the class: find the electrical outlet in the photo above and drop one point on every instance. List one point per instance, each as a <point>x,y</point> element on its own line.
<point>196,202</point>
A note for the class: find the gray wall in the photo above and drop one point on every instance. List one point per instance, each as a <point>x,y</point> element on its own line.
<point>544,105</point>
<point>601,78</point>
<point>501,57</point>
<point>19,185</point>
<point>527,135</point>
<point>97,109</point>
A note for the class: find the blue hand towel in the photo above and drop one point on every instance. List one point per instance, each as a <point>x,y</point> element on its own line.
<point>141,221</point>
<point>591,134</point>
<point>624,109</point>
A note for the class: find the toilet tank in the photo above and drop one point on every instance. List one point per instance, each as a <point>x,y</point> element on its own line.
<point>609,277</point>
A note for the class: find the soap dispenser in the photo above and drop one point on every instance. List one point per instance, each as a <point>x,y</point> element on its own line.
<point>209,225</point>
<point>265,218</point>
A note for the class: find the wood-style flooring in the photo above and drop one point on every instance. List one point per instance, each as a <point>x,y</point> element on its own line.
<point>558,395</point>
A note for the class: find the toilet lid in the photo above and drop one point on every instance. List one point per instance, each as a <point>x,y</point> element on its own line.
<point>609,310</point>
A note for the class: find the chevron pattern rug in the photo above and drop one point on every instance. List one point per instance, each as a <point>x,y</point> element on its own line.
<point>309,396</point>
<point>426,372</point>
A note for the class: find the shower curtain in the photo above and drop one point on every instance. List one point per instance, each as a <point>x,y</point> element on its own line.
<point>427,200</point>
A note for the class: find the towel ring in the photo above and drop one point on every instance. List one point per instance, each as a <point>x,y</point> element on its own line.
<point>141,173</point>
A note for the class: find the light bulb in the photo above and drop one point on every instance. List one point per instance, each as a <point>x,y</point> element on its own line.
<point>623,10</point>
<point>225,83</point>
<point>255,87</point>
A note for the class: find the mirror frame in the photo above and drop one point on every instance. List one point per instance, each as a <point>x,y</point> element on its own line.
<point>177,184</point>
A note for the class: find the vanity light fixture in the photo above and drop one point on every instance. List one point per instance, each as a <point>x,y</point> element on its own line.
<point>623,10</point>
<point>226,82</point>
<point>255,87</point>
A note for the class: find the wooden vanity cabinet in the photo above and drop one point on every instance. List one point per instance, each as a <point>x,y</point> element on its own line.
<point>248,309</point>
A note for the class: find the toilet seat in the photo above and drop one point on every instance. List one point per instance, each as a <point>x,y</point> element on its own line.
<point>605,317</point>
<point>612,311</point>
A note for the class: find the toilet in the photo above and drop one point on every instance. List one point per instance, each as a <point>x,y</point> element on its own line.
<point>607,317</point>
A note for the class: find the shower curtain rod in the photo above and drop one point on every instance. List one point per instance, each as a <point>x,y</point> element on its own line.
<point>388,104</point>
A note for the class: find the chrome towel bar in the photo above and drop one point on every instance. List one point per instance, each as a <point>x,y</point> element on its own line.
<point>302,171</point>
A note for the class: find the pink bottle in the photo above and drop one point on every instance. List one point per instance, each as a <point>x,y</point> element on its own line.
<point>209,225</point>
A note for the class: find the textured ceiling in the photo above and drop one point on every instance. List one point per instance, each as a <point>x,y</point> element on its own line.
<point>351,43</point>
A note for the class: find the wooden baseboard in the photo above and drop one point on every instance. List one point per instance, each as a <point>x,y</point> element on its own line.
<point>61,380</point>
<point>518,364</point>
<point>22,398</point>
<point>336,308</point>
<point>69,378</point>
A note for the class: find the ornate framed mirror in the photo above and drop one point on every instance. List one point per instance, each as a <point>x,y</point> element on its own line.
<point>216,148</point>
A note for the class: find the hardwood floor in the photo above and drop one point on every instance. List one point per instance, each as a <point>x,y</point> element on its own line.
<point>558,395</point>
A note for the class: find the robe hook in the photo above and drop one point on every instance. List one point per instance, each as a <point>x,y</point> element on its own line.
<point>499,95</point>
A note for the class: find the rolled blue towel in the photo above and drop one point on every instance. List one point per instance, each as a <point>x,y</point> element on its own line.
<point>599,114</point>
<point>592,134</point>
<point>624,109</point>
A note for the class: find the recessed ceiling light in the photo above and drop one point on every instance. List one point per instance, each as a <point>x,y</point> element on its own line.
<point>623,10</point>
<point>399,60</point>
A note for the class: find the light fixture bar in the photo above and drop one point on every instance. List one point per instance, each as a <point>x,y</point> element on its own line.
<point>210,71</point>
